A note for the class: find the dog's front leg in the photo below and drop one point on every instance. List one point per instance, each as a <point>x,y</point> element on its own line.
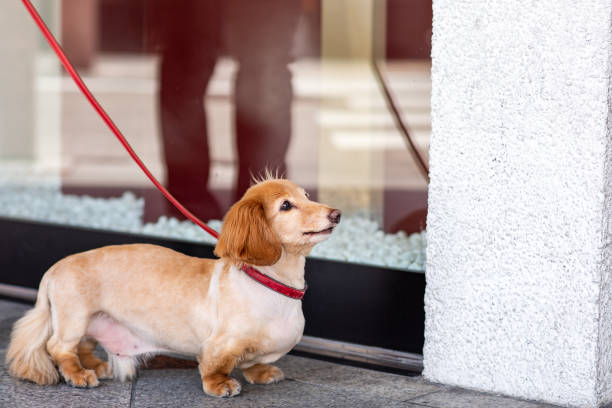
<point>216,362</point>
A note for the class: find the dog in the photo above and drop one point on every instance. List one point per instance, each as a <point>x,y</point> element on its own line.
<point>139,300</point>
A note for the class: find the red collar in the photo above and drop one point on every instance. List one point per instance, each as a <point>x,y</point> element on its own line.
<point>272,283</point>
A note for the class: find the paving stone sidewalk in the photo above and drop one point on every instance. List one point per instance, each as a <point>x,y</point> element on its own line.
<point>310,383</point>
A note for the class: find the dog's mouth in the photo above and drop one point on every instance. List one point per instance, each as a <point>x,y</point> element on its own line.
<point>322,232</point>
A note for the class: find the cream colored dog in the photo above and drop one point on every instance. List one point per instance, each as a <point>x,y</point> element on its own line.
<point>138,300</point>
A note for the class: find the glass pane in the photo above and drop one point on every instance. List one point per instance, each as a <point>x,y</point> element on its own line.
<point>209,93</point>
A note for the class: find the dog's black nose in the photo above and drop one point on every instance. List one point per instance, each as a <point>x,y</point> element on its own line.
<point>334,216</point>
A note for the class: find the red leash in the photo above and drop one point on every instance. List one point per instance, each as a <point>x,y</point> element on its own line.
<point>109,122</point>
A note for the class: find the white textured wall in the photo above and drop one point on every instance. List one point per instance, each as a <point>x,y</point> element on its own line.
<point>519,292</point>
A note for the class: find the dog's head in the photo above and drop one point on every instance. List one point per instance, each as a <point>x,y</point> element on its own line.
<point>272,215</point>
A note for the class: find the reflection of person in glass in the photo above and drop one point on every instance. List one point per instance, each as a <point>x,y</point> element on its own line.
<point>259,35</point>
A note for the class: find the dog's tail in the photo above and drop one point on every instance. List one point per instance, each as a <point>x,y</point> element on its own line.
<point>27,356</point>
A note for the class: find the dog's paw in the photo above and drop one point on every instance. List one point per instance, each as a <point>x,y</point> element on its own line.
<point>81,378</point>
<point>103,371</point>
<point>263,374</point>
<point>221,386</point>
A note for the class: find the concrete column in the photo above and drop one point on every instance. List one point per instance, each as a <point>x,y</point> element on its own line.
<point>519,289</point>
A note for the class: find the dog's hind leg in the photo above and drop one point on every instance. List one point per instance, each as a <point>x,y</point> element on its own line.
<point>70,326</point>
<point>89,360</point>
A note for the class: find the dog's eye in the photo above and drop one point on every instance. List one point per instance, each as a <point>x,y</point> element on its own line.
<point>306,194</point>
<point>286,206</point>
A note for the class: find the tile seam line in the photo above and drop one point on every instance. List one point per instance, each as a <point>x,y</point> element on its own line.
<point>133,393</point>
<point>411,400</point>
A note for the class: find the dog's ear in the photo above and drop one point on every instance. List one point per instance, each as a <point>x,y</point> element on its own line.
<point>247,236</point>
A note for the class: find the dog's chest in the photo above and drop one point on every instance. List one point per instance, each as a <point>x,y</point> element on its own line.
<point>284,330</point>
<point>277,321</point>
<point>274,321</point>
